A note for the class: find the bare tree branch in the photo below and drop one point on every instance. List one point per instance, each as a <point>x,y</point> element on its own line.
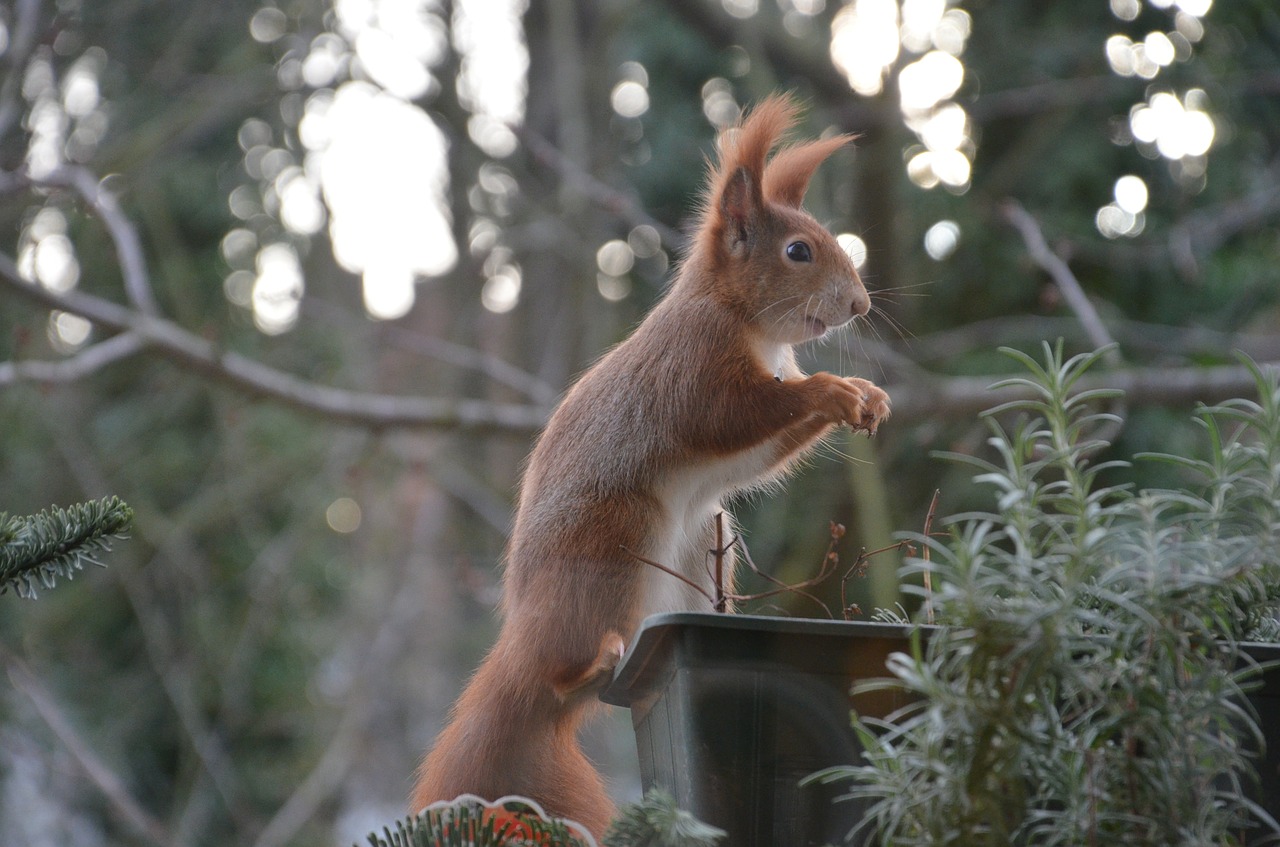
<point>1058,270</point>
<point>111,786</point>
<point>255,379</point>
<point>963,396</point>
<point>920,399</point>
<point>1198,233</point>
<point>942,397</point>
<point>443,350</point>
<point>22,40</point>
<point>1053,264</point>
<point>129,255</point>
<point>1160,339</point>
<point>603,195</point>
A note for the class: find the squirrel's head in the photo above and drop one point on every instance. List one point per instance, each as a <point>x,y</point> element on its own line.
<point>757,249</point>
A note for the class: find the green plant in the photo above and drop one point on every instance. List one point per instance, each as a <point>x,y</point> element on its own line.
<point>656,821</point>
<point>35,550</point>
<point>1085,686</point>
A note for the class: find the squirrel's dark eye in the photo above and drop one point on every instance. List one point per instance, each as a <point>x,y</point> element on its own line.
<point>798,251</point>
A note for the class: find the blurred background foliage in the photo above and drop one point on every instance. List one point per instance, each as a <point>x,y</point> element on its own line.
<point>469,200</point>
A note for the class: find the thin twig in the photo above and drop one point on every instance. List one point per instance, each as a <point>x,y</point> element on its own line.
<point>442,350</point>
<point>651,563</point>
<point>83,363</point>
<point>859,568</point>
<point>176,682</point>
<point>712,565</point>
<point>381,645</point>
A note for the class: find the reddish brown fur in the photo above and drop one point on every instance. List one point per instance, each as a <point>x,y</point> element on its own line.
<point>702,400</point>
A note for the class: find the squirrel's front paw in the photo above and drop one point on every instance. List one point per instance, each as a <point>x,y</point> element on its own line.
<point>875,405</point>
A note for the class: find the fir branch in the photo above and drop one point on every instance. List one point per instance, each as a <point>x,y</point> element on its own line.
<point>657,822</point>
<point>469,824</point>
<point>37,549</point>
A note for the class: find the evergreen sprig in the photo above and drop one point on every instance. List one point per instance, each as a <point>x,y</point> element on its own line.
<point>467,824</point>
<point>35,550</point>
<point>656,821</point>
<point>1085,686</point>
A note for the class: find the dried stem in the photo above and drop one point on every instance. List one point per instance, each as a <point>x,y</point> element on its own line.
<point>928,576</point>
<point>830,564</point>
<point>786,588</point>
<point>859,568</point>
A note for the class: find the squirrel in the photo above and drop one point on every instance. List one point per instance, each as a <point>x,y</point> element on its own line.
<point>702,400</point>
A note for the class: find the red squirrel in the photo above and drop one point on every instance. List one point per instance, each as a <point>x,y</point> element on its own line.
<point>703,400</point>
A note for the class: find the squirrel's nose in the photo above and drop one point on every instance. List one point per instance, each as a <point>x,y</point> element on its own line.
<point>861,303</point>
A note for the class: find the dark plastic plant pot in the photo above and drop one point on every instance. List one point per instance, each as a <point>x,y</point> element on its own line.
<point>1265,701</point>
<point>731,712</point>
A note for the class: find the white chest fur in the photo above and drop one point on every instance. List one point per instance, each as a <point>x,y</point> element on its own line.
<point>778,359</point>
<point>685,538</point>
<point>693,495</point>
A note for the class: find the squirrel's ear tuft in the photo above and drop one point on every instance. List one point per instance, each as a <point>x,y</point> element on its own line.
<point>735,194</point>
<point>786,178</point>
<point>748,145</point>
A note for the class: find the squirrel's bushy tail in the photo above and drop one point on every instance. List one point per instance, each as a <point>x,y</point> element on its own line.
<point>511,733</point>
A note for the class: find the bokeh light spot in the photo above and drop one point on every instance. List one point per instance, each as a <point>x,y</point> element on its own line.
<point>615,258</point>
<point>67,332</point>
<point>613,288</point>
<point>942,239</point>
<point>1131,194</point>
<point>854,247</point>
<point>277,289</point>
<point>864,43</point>
<point>629,99</point>
<point>344,515</point>
<point>501,291</point>
<point>267,25</point>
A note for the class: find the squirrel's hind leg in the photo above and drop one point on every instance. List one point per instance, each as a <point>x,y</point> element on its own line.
<point>598,674</point>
